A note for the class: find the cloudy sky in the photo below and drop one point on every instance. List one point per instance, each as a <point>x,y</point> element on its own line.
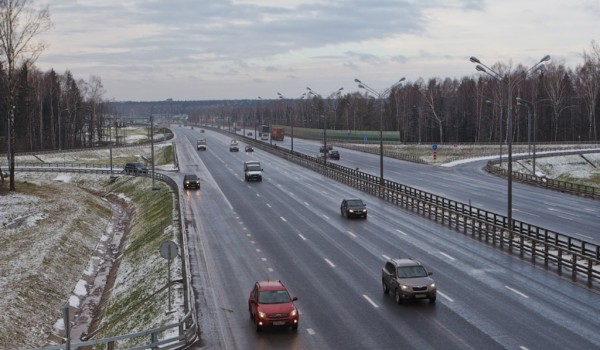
<point>146,50</point>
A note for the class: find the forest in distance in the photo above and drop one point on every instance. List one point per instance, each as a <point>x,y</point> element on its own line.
<point>557,104</point>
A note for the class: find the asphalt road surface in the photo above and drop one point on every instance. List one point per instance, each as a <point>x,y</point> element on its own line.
<point>289,227</point>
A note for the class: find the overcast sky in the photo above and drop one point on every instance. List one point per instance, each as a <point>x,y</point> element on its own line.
<point>147,50</point>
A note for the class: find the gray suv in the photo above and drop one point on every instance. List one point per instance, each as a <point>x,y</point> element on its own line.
<point>408,279</point>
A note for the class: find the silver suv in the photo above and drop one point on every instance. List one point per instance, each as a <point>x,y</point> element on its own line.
<point>408,279</point>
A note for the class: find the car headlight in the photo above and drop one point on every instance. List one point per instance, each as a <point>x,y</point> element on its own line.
<point>432,286</point>
<point>262,314</point>
<point>403,287</point>
<point>294,312</point>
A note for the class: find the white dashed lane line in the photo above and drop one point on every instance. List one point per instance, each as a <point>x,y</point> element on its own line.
<point>447,256</point>
<point>329,262</point>
<point>516,292</point>
<point>370,301</point>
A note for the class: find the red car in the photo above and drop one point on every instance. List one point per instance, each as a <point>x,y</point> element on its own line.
<point>270,305</point>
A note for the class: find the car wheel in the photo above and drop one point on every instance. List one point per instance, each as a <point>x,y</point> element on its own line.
<point>432,299</point>
<point>258,329</point>
<point>398,297</point>
<point>365,216</point>
<point>250,312</point>
<point>342,212</point>
<point>385,288</point>
<point>295,327</point>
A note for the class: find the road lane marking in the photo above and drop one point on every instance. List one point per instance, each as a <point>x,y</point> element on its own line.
<point>263,259</point>
<point>325,216</point>
<point>445,296</point>
<point>308,205</point>
<point>257,194</point>
<point>283,219</point>
<point>447,256</point>
<point>351,234</point>
<point>385,257</point>
<point>370,301</point>
<point>527,213</point>
<point>310,331</point>
<point>270,269</point>
<point>329,262</point>
<point>303,238</point>
<point>522,347</point>
<point>401,232</point>
<point>258,250</point>
<point>269,205</point>
<point>516,291</point>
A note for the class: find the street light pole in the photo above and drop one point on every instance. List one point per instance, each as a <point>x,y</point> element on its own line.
<point>381,96</point>
<point>324,116</point>
<point>510,84</point>
<point>291,120</point>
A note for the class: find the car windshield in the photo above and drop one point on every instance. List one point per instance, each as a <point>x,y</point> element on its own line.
<point>411,272</point>
<point>253,167</point>
<point>190,177</point>
<point>274,297</point>
<point>355,203</point>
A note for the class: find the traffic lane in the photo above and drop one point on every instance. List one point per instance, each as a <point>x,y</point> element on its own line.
<point>274,187</point>
<point>328,281</point>
<point>283,245</point>
<point>560,212</point>
<point>576,216</point>
<point>507,289</point>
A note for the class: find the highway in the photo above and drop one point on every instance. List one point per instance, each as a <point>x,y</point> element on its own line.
<point>289,227</point>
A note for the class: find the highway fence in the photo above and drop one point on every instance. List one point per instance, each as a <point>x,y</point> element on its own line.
<point>580,257</point>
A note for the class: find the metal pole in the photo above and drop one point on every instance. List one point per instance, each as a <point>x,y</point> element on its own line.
<point>533,107</point>
<point>381,142</point>
<point>324,139</point>
<point>509,135</point>
<point>528,132</point>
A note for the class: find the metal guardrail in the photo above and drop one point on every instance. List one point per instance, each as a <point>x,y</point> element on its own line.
<point>579,256</point>
<point>557,185</point>
<point>187,326</point>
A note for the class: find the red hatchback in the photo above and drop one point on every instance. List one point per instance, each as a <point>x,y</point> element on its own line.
<point>270,305</point>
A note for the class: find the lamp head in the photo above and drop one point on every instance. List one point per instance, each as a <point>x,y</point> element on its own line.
<point>480,68</point>
<point>357,81</point>
<point>545,59</point>
<point>474,60</point>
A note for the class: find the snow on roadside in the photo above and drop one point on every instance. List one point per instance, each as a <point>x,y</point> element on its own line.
<point>47,238</point>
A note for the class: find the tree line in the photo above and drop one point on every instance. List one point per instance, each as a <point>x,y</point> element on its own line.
<point>561,102</point>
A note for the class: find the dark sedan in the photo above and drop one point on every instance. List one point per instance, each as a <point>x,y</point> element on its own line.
<point>353,207</point>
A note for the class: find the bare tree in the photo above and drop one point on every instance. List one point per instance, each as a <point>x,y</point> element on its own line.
<point>20,23</point>
<point>431,94</point>
<point>556,88</point>
<point>587,83</point>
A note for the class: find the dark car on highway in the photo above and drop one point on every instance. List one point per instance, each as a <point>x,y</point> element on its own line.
<point>191,181</point>
<point>135,168</point>
<point>353,207</point>
<point>334,155</point>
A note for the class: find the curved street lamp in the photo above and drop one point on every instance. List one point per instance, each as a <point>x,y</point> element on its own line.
<point>281,97</point>
<point>381,96</point>
<point>510,84</point>
<point>324,116</point>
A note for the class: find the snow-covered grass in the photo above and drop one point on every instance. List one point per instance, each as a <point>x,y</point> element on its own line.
<point>54,246</point>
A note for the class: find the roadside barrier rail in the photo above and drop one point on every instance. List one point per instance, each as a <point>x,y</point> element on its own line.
<point>581,257</point>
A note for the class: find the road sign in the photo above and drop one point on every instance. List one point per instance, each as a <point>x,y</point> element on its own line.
<point>169,250</point>
<point>434,147</point>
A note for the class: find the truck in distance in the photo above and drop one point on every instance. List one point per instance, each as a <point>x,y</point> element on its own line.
<point>252,170</point>
<point>277,134</point>
<point>201,145</point>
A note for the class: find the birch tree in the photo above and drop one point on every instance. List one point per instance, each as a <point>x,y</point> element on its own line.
<point>20,24</point>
